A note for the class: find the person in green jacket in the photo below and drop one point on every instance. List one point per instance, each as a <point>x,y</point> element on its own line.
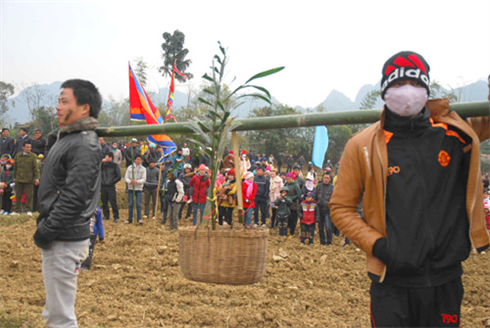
<point>26,175</point>
<point>294,192</point>
<point>283,202</point>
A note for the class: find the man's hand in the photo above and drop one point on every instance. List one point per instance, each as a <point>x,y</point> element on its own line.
<point>133,182</point>
<point>36,182</point>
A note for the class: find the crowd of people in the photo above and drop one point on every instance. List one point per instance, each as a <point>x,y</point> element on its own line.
<point>271,197</point>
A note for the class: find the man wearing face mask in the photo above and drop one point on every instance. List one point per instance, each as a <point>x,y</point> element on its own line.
<point>418,170</point>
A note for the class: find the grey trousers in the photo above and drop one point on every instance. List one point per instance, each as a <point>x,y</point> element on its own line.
<point>61,264</point>
<point>173,213</point>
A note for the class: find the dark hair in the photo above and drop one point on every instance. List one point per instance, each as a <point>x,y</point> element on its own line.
<point>27,142</point>
<point>85,92</point>
<point>138,155</point>
<point>38,130</point>
<point>110,154</point>
<point>282,173</point>
<point>325,173</point>
<point>5,129</point>
<point>25,129</point>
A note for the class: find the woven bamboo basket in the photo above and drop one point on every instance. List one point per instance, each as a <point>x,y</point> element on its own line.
<point>235,256</point>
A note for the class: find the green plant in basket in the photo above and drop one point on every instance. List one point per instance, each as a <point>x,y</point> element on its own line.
<point>211,134</point>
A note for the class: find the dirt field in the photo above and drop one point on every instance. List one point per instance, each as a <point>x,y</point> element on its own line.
<point>136,282</point>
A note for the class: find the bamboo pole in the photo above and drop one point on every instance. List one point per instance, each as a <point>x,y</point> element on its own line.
<point>471,109</point>
<point>238,176</point>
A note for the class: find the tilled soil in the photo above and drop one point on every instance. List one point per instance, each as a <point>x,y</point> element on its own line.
<point>135,281</point>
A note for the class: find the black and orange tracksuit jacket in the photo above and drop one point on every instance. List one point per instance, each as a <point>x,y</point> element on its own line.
<point>421,183</point>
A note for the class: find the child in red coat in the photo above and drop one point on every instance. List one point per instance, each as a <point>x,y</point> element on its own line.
<point>308,213</point>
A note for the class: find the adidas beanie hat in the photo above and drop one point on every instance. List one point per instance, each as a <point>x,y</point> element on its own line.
<point>402,66</point>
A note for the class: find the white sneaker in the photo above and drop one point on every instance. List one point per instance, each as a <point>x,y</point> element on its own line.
<point>264,226</point>
<point>29,213</point>
<point>14,213</point>
<point>256,225</point>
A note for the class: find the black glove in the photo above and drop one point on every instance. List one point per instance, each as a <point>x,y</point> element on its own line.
<point>483,248</point>
<point>41,241</point>
<point>381,251</point>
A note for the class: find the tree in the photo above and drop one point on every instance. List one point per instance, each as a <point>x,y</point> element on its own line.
<point>370,99</point>
<point>368,102</point>
<point>338,135</point>
<point>174,52</point>
<point>6,90</point>
<point>280,142</point>
<point>437,91</point>
<point>140,70</point>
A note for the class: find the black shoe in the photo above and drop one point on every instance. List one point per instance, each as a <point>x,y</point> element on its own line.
<point>116,220</point>
<point>105,218</point>
<point>161,222</point>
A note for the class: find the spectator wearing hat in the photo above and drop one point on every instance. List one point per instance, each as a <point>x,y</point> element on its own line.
<point>151,187</point>
<point>228,161</point>
<point>7,145</point>
<point>309,214</point>
<point>249,190</point>
<point>261,197</point>
<point>6,179</point>
<point>200,183</point>
<point>19,144</point>
<point>39,142</point>
<point>244,162</point>
<point>111,174</point>
<point>131,153</point>
<point>294,192</point>
<point>226,194</point>
<point>308,187</point>
<point>26,175</point>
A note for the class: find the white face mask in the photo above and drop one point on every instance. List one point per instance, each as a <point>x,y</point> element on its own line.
<point>406,100</point>
<point>8,166</point>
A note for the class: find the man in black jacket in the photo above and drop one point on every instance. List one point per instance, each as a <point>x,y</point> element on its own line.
<point>323,192</point>
<point>128,153</point>
<point>20,141</point>
<point>39,143</point>
<point>68,197</point>
<point>111,174</point>
<point>262,196</point>
<point>7,144</point>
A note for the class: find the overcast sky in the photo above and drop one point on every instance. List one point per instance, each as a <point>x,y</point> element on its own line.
<point>324,45</point>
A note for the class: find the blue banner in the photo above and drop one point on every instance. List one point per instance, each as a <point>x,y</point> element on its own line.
<point>320,146</point>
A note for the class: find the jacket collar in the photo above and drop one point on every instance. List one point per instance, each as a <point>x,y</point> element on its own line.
<point>436,108</point>
<point>83,124</point>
